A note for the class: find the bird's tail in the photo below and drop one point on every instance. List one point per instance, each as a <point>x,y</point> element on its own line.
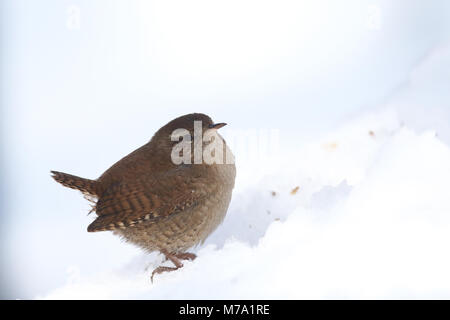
<point>87,186</point>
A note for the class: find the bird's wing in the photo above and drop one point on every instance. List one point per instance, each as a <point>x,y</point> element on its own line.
<point>128,203</point>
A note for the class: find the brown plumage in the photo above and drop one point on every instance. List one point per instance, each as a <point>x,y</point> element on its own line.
<point>156,204</point>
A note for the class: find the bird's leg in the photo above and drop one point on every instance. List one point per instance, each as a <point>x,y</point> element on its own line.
<point>175,258</point>
<point>172,257</point>
<point>185,256</point>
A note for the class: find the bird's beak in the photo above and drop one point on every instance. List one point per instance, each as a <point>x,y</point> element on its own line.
<point>217,125</point>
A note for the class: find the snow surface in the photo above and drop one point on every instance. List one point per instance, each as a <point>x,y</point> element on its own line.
<point>370,218</point>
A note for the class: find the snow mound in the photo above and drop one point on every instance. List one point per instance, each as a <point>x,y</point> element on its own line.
<point>362,213</point>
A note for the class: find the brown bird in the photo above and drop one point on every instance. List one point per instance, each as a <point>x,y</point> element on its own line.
<point>156,204</point>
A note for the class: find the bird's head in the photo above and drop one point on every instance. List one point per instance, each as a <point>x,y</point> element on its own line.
<point>185,129</point>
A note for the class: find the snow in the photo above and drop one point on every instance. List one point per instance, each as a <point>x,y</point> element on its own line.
<point>369,217</point>
<point>370,220</point>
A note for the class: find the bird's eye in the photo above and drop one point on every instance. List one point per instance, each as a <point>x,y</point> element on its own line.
<point>184,138</point>
<point>180,135</point>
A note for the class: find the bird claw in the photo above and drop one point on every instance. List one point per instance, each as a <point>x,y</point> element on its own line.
<point>161,270</point>
<point>175,258</point>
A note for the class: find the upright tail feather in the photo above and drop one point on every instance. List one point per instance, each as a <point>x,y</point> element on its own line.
<point>87,186</point>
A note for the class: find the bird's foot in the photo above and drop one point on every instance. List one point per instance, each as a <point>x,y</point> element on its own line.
<point>163,269</point>
<point>175,258</point>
